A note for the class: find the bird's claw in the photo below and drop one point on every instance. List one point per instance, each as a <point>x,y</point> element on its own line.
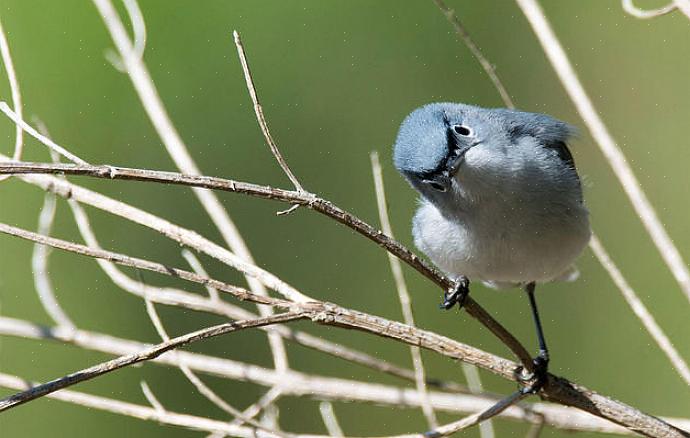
<point>535,380</point>
<point>456,294</point>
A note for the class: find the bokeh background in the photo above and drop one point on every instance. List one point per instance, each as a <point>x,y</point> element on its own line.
<point>336,79</point>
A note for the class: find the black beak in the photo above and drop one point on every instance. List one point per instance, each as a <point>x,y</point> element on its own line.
<point>440,182</point>
<point>458,157</point>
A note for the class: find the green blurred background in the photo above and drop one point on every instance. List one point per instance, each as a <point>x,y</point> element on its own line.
<point>336,79</point>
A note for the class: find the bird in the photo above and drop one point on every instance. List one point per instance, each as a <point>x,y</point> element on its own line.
<point>500,200</point>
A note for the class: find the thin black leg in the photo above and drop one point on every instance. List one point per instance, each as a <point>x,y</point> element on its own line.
<point>541,362</point>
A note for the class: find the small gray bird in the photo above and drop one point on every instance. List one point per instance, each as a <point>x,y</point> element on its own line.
<point>501,200</point>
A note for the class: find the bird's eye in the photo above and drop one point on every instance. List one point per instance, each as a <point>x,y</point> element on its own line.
<point>462,130</point>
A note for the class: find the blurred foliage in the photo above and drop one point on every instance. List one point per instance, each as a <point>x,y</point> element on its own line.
<point>336,79</point>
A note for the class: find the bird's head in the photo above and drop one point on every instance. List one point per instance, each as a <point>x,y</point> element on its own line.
<point>443,148</point>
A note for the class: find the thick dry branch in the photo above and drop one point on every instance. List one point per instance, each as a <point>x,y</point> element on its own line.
<point>145,355</point>
<point>307,199</point>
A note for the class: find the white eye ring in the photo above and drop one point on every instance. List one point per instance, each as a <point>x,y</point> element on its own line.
<point>463,130</point>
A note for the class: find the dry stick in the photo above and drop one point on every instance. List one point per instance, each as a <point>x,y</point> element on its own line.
<point>472,420</point>
<point>555,388</point>
<point>151,353</point>
<point>330,420</point>
<point>474,383</point>
<point>633,10</point>
<point>640,310</point>
<point>151,397</point>
<point>268,399</point>
<point>39,267</point>
<point>14,91</point>
<point>476,52</point>
<point>615,157</point>
<point>299,384</point>
<point>260,114</point>
<point>403,294</point>
<point>307,199</point>
<point>42,138</point>
<point>137,411</point>
<point>180,298</point>
<point>200,386</point>
<point>148,95</point>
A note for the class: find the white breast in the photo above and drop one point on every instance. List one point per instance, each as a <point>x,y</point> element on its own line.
<point>504,244</point>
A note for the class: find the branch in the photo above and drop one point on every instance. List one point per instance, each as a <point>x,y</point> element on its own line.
<point>151,353</point>
<point>260,114</point>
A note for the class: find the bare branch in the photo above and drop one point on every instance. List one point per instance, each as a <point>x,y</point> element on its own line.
<point>630,8</point>
<point>476,52</point>
<point>486,428</point>
<point>200,386</point>
<point>614,155</point>
<point>260,114</point>
<point>640,310</point>
<point>39,267</point>
<point>197,267</point>
<point>269,398</point>
<point>151,398</point>
<point>138,411</point>
<point>472,420</point>
<point>330,420</point>
<point>403,294</point>
<point>14,91</point>
<point>151,353</point>
<point>42,138</point>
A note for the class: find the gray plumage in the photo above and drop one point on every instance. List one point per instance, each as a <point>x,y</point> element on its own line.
<point>501,200</point>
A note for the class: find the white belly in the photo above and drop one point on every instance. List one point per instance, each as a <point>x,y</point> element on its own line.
<point>503,246</point>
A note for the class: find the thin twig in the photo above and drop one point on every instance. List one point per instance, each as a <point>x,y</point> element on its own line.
<point>403,294</point>
<point>176,148</point>
<point>260,114</point>
<point>474,383</point>
<point>151,353</point>
<point>640,310</point>
<point>269,398</point>
<point>200,386</point>
<point>471,420</point>
<point>614,155</point>
<point>330,420</point>
<point>16,118</point>
<point>15,92</point>
<point>197,267</point>
<point>636,12</point>
<point>39,266</point>
<point>137,411</point>
<point>151,397</point>
<point>488,67</point>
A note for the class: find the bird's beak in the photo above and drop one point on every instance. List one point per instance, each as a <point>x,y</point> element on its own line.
<point>440,182</point>
<point>458,157</point>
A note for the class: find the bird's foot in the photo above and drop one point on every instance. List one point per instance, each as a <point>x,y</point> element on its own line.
<point>535,380</point>
<point>457,294</point>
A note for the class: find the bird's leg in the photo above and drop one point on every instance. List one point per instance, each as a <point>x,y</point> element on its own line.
<point>456,294</point>
<point>541,362</point>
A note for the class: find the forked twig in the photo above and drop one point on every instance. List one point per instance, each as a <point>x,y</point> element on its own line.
<point>260,114</point>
